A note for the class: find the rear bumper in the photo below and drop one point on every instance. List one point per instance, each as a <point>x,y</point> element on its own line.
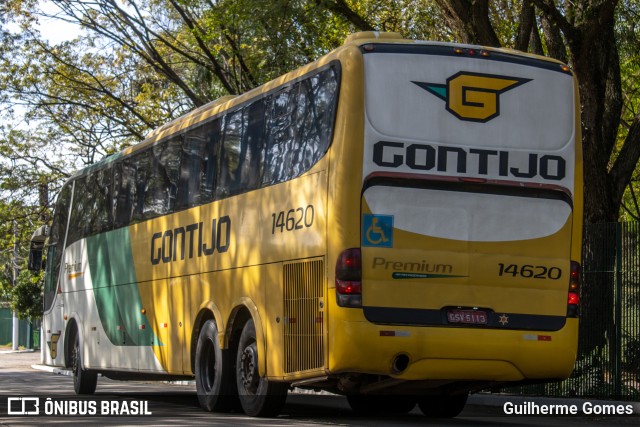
<point>450,353</point>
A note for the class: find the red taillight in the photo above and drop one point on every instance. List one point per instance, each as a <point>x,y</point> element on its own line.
<point>348,278</point>
<point>573,299</point>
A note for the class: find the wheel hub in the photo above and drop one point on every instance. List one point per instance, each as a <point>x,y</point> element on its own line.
<point>249,369</point>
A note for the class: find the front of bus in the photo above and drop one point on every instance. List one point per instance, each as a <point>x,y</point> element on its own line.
<point>467,269</point>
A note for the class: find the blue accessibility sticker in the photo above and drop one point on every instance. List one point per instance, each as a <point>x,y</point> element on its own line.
<point>377,230</point>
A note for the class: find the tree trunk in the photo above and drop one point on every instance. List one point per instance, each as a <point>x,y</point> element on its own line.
<point>595,60</point>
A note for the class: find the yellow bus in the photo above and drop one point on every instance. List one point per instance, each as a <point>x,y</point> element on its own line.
<point>398,222</point>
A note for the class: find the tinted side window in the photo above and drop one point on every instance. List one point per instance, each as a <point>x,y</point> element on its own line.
<point>161,178</point>
<point>208,184</point>
<point>230,154</point>
<point>129,188</point>
<point>253,146</point>
<point>242,150</point>
<point>99,186</point>
<point>300,126</point>
<point>141,165</point>
<point>319,96</point>
<point>56,248</point>
<point>60,216</point>
<point>280,137</point>
<point>199,165</point>
<point>121,213</point>
<point>81,206</point>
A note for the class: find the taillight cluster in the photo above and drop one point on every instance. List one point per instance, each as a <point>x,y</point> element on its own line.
<point>349,278</point>
<point>573,300</point>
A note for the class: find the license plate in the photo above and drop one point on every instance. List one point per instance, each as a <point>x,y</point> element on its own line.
<point>470,317</point>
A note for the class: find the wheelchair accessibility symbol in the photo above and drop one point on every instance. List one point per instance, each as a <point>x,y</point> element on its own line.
<point>377,230</point>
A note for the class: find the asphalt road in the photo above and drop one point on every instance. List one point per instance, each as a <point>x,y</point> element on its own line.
<point>172,404</point>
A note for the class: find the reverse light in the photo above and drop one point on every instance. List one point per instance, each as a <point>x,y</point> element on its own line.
<point>573,297</point>
<point>349,278</point>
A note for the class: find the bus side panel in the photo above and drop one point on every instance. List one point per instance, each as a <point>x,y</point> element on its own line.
<point>99,281</point>
<point>223,252</point>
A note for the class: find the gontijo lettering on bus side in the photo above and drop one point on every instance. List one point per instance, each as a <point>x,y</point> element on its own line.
<point>192,240</point>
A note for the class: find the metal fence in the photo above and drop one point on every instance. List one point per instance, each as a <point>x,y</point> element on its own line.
<point>608,365</point>
<point>28,331</point>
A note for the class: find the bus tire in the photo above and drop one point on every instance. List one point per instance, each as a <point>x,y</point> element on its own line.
<point>215,380</point>
<point>442,406</point>
<point>84,380</point>
<point>259,397</point>
<point>364,404</point>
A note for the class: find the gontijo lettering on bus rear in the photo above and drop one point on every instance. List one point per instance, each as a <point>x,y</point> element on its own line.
<point>471,161</point>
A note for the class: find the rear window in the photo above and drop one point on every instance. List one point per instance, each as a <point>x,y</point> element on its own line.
<point>467,216</point>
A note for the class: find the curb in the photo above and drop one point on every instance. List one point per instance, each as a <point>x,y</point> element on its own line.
<point>53,370</point>
<point>17,351</point>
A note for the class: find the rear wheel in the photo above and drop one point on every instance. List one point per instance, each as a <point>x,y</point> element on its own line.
<point>84,381</point>
<point>381,404</point>
<point>215,380</point>
<point>259,397</point>
<point>442,406</point>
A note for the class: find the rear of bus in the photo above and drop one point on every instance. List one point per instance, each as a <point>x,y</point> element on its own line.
<point>466,273</point>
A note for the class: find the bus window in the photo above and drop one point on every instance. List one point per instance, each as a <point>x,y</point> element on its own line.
<point>140,167</point>
<point>124,192</point>
<point>98,214</point>
<point>279,138</point>
<point>162,179</point>
<point>300,127</point>
<point>191,169</point>
<point>230,155</point>
<point>321,91</point>
<point>252,147</point>
<point>208,184</point>
<point>198,167</point>
<point>55,249</point>
<point>80,211</point>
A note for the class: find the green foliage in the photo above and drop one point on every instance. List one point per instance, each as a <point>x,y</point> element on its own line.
<point>628,33</point>
<point>17,223</point>
<point>27,296</point>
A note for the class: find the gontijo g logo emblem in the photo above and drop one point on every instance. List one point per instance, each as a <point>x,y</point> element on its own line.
<point>473,96</point>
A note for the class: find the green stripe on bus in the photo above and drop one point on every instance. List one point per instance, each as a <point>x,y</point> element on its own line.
<point>116,290</point>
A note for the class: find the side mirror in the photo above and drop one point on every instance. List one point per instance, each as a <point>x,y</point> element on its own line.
<point>37,247</point>
<point>35,260</point>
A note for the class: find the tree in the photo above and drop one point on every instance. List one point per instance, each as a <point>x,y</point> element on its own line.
<point>27,295</point>
<point>16,225</point>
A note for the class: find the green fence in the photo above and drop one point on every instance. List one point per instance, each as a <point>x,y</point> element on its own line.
<point>608,365</point>
<point>28,332</point>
